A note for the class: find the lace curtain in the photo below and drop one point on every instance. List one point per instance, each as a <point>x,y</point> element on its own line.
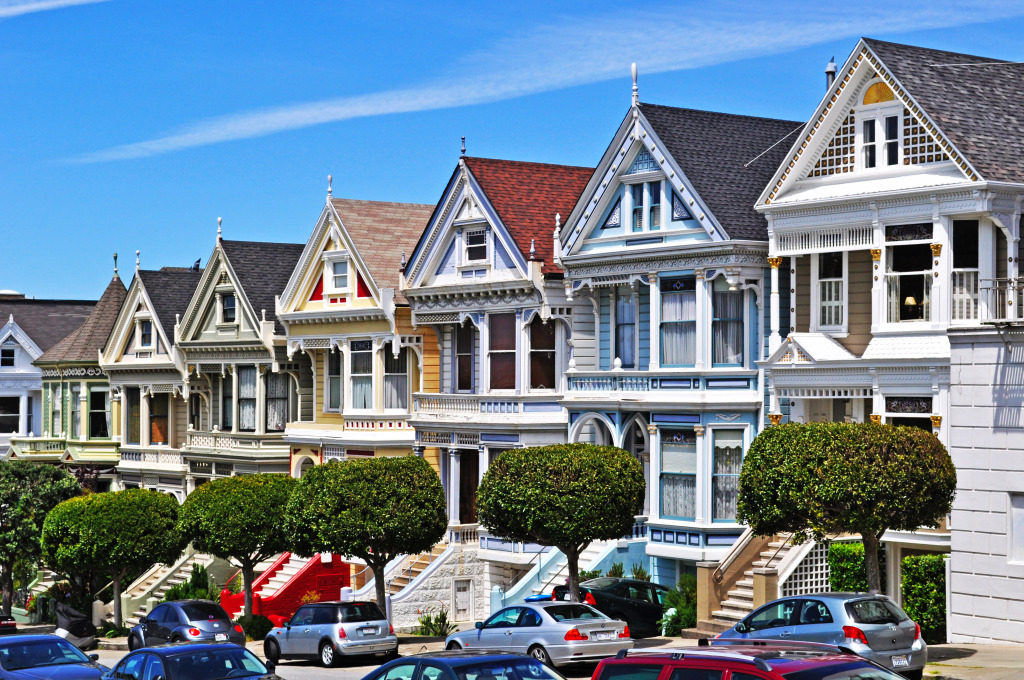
<point>247,398</point>
<point>396,379</point>
<point>277,401</point>
<point>728,326</point>
<point>625,328</point>
<point>725,485</point>
<point>362,380</point>
<point>679,478</point>
<point>678,328</point>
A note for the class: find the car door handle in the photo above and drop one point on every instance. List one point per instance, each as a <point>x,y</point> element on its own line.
<point>785,633</point>
<point>306,631</point>
<point>508,632</point>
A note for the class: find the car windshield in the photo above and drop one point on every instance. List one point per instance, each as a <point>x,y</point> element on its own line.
<point>37,653</point>
<point>215,664</point>
<point>875,611</point>
<point>856,670</point>
<point>525,669</point>
<point>203,611</point>
<point>367,611</point>
<point>573,612</point>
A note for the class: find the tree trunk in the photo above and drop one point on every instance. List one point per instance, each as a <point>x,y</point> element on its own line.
<point>379,586</point>
<point>117,599</point>
<point>871,563</point>
<point>7,582</point>
<point>248,576</point>
<point>572,556</point>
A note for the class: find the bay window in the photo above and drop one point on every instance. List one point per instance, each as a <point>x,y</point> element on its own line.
<point>158,412</point>
<point>678,321</point>
<point>396,378</point>
<point>246,398</point>
<point>625,329</point>
<point>464,358</point>
<point>332,402</point>
<point>965,270</point>
<point>830,290</point>
<point>727,459</point>
<point>726,324</point>
<point>361,371</point>
<point>908,272</point>
<point>227,403</point>
<point>76,412</point>
<point>542,355</point>
<point>679,474</point>
<point>501,358</point>
<point>133,416</point>
<point>277,401</point>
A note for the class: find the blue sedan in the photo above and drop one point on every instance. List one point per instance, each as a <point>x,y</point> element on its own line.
<point>45,657</point>
<point>464,665</point>
<point>192,661</point>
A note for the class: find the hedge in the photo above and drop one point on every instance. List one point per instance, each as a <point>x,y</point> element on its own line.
<point>924,594</point>
<point>846,567</point>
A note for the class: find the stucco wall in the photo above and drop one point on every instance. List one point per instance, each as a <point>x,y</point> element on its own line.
<point>438,589</point>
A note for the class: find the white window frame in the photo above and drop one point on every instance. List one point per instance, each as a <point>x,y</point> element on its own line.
<point>327,408</point>
<point>13,355</point>
<point>386,349</point>
<point>840,330</point>
<point>220,308</point>
<point>929,276</point>
<point>348,401</point>
<point>706,474</point>
<point>330,290</point>
<point>152,330</point>
<point>877,113</point>
<point>709,320</point>
<point>486,352</point>
<point>466,233</point>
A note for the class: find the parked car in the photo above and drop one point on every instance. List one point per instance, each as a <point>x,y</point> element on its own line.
<point>873,626</point>
<point>191,661</point>
<point>464,665</point>
<point>639,603</point>
<point>329,630</point>
<point>553,633</point>
<point>8,625</point>
<point>185,621</point>
<point>774,661</point>
<point>46,657</point>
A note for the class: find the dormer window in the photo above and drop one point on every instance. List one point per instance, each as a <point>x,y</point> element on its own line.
<point>654,189</point>
<point>476,246</point>
<point>339,275</point>
<point>879,128</point>
<point>638,206</point>
<point>337,283</point>
<point>227,309</point>
<point>7,358</point>
<point>146,334</point>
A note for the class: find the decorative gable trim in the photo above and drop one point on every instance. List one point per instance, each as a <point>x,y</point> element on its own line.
<point>114,350</point>
<point>12,330</point>
<point>203,297</point>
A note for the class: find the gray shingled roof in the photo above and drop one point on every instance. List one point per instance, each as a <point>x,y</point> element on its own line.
<point>170,289</point>
<point>976,102</point>
<point>85,343</point>
<point>713,151</point>
<point>263,270</point>
<point>47,322</point>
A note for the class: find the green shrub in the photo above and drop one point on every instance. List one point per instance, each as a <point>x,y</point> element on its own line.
<point>639,573</point>
<point>235,584</point>
<point>200,586</point>
<point>587,574</point>
<point>616,570</point>
<point>847,573</point>
<point>255,627</point>
<point>109,630</point>
<point>435,625</point>
<point>680,607</point>
<point>924,595</point>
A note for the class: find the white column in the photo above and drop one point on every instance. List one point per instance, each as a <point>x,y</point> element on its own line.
<point>666,204</point>
<point>986,262</point>
<point>481,463</point>
<point>943,266</point>
<point>775,339</point>
<point>703,477</point>
<point>261,399</point>
<point>234,399</point>
<point>521,359</point>
<point>144,427</point>
<point>703,320</point>
<point>653,483</point>
<point>23,424</point>
<point>655,314</point>
<point>453,486</point>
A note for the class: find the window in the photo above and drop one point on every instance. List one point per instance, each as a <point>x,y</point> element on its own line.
<point>725,473</point>
<point>339,274</point>
<point>638,206</point>
<point>630,672</point>
<point>830,289</point>
<point>880,141</point>
<point>158,412</point>
<point>396,378</point>
<point>303,617</point>
<point>625,330</point>
<point>542,355</point>
<point>277,401</point>
<point>773,616</point>
<point>705,674</point>
<point>402,671</point>
<point>464,358</point>
<point>227,307</point>
<point>7,358</point>
<point>246,398</point>
<point>908,273</point>
<point>99,413</point>
<point>57,426</point>
<point>813,613</point>
<point>1016,527</point>
<point>131,668</point>
<point>506,618</point>
<point>10,414</point>
<point>154,668</point>
<point>476,246</point>
<point>501,329</point>
<point>678,321</point>
<point>679,474</point>
<point>76,412</point>
<point>361,370</point>
<point>965,270</point>
<point>654,192</point>
<point>727,325</point>
<point>333,400</point>
<point>431,672</point>
<point>132,400</point>
<point>145,334</point>
<point>227,403</point>
<point>195,411</point>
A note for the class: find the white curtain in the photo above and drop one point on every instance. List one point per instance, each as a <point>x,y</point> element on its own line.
<point>679,328</point>
<point>679,479</point>
<point>728,459</point>
<point>362,380</point>
<point>396,379</point>
<point>277,402</point>
<point>625,322</point>
<point>247,398</point>
<point>728,327</point>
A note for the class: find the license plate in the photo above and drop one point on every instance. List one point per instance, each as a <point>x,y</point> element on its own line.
<point>900,661</point>
<point>220,637</point>
<point>602,636</point>
<point>566,597</point>
<point>367,631</point>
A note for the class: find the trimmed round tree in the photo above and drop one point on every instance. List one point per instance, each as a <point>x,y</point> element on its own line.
<point>112,533</point>
<point>824,479</point>
<point>240,518</point>
<point>27,492</point>
<point>565,496</point>
<point>375,509</point>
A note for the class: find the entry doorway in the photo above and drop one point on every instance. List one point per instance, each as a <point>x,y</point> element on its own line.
<point>636,442</point>
<point>469,480</point>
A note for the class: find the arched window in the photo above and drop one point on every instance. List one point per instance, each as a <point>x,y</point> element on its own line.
<point>878,93</point>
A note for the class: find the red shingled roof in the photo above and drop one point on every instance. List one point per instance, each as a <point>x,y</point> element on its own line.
<point>527,196</point>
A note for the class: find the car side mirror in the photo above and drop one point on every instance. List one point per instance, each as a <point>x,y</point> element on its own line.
<point>94,657</point>
<point>479,625</point>
<point>741,627</point>
<point>271,666</point>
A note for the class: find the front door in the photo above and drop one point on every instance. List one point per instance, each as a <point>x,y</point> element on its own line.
<point>469,479</point>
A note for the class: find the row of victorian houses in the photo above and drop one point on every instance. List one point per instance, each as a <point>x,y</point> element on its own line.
<point>712,275</point>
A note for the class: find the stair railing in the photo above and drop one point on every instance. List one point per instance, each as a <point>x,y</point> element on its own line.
<point>737,547</point>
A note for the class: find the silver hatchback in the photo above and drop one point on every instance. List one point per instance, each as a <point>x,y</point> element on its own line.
<point>873,626</point>
<point>326,631</point>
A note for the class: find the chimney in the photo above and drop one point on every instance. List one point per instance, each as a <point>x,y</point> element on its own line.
<point>830,73</point>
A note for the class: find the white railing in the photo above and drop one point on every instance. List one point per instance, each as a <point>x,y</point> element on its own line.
<point>234,440</point>
<point>1004,297</point>
<point>464,534</point>
<point>639,528</point>
<point>804,570</point>
<point>448,403</point>
<point>645,381</point>
<point>823,239</point>
<point>376,423</point>
<point>38,444</point>
<point>964,291</point>
<point>152,457</point>
<point>455,405</point>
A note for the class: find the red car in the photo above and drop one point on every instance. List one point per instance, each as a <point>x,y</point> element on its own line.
<point>749,661</point>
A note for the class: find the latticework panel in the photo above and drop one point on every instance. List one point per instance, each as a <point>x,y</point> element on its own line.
<point>919,146</point>
<point>812,575</point>
<point>838,157</point>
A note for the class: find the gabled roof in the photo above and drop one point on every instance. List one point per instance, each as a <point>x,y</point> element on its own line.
<point>809,348</point>
<point>974,100</point>
<point>46,322</point>
<point>170,290</point>
<point>527,196</point>
<point>263,270</point>
<point>85,343</point>
<point>381,233</point>
<point>727,158</point>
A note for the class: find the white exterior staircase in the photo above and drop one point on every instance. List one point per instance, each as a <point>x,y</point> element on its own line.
<point>557,571</point>
<point>155,583</point>
<point>413,566</point>
<point>739,600</point>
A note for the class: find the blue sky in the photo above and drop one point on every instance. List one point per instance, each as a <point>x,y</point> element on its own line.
<point>134,124</point>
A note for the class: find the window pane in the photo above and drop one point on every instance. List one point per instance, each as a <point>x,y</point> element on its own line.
<point>542,335</point>
<point>678,327</point>
<point>542,370</point>
<point>362,363</point>
<point>228,306</point>
<point>502,328</point>
<point>247,398</point>
<point>728,459</point>
<point>869,131</point>
<point>465,372</point>
<point>393,364</point>
<point>277,401</point>
<point>158,410</point>
<point>362,392</point>
<point>476,246</point>
<point>965,244</point>
<point>830,266</point>
<point>892,128</point>
<point>503,370</point>
<point>9,414</point>
<point>678,495</point>
<point>132,407</point>
<point>727,331</point>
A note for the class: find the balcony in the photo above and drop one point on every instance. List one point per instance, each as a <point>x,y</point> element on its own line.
<point>538,409</point>
<point>238,443</point>
<point>1003,299</point>
<point>156,459</point>
<point>38,445</point>
<point>691,386</point>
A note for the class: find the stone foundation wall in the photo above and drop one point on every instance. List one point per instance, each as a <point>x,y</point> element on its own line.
<point>439,590</point>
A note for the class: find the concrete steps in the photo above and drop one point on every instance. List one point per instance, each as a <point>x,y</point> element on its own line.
<point>283,575</point>
<point>558,571</point>
<point>181,576</point>
<point>415,564</point>
<point>739,601</point>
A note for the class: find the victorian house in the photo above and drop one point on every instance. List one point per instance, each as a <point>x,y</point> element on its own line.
<point>665,263</point>
<point>147,374</point>
<point>31,328</point>
<point>343,315</point>
<point>241,386</point>
<point>79,418</point>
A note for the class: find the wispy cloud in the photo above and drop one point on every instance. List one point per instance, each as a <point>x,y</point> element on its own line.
<point>13,8</point>
<point>572,52</point>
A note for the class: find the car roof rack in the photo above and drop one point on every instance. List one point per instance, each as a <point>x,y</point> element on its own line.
<point>792,644</point>
<point>676,653</point>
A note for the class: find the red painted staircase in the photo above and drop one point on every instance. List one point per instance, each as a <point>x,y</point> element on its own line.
<point>285,591</point>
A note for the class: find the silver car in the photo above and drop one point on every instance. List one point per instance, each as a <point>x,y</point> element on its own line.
<point>554,633</point>
<point>873,626</point>
<point>327,631</point>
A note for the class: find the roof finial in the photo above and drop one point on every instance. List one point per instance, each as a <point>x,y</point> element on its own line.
<point>533,248</point>
<point>115,264</point>
<point>636,91</point>
<point>219,219</point>
<point>329,178</point>
<point>136,260</point>
<point>463,145</point>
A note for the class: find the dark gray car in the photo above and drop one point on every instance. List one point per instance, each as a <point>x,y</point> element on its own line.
<point>185,621</point>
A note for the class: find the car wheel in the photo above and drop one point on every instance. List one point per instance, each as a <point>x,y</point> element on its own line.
<point>177,638</point>
<point>913,675</point>
<point>541,654</point>
<point>393,654</point>
<point>328,657</point>
<point>134,642</point>
<point>453,646</point>
<point>272,651</point>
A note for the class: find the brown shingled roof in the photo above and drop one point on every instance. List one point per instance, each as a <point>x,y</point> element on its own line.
<point>46,322</point>
<point>85,343</point>
<point>381,232</point>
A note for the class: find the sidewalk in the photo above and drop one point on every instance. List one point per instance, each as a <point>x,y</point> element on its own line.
<point>975,662</point>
